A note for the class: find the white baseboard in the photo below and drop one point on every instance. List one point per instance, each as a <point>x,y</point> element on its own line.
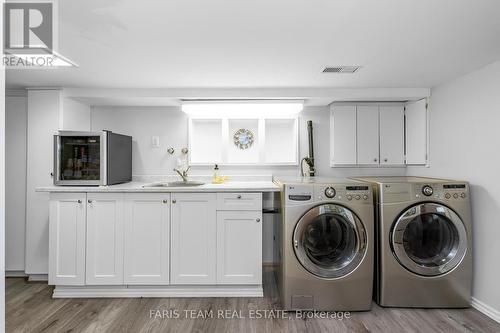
<point>38,277</point>
<point>156,291</point>
<point>15,274</point>
<point>486,309</point>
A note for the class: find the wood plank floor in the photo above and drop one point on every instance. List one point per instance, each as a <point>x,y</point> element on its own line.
<point>30,308</point>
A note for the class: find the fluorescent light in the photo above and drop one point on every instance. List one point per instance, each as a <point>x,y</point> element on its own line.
<point>242,109</point>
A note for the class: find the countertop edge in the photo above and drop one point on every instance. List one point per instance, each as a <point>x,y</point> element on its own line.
<point>137,188</point>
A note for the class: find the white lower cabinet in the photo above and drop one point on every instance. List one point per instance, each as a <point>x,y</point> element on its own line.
<point>67,239</point>
<point>193,227</point>
<point>104,264</point>
<point>147,238</point>
<point>153,239</point>
<point>239,247</point>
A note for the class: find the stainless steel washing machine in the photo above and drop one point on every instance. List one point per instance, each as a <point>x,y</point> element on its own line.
<point>325,245</point>
<point>424,236</point>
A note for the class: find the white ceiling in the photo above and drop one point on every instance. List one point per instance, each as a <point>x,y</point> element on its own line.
<point>269,43</point>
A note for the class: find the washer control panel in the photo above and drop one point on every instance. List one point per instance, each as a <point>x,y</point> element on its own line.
<point>344,192</point>
<point>452,191</point>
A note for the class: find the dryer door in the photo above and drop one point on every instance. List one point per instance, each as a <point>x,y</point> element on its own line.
<point>329,241</point>
<point>429,239</point>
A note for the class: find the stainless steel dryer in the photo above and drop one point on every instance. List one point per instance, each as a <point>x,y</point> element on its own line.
<point>325,245</point>
<point>424,237</point>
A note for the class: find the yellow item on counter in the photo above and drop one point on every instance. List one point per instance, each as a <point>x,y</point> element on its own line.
<point>216,179</point>
<point>219,179</point>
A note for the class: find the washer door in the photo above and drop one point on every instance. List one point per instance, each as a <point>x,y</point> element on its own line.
<point>329,241</point>
<point>429,239</point>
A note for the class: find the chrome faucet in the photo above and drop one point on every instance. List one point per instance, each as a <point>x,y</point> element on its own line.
<point>183,174</point>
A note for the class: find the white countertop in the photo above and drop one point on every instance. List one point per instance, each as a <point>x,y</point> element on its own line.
<point>137,186</point>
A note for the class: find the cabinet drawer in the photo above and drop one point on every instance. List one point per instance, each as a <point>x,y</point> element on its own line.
<point>239,201</point>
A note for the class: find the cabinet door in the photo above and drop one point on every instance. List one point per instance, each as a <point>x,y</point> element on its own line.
<point>239,247</point>
<point>193,238</point>
<point>416,132</point>
<point>391,135</point>
<point>67,239</point>
<point>147,240</point>
<point>104,263</point>
<point>367,135</point>
<point>343,135</point>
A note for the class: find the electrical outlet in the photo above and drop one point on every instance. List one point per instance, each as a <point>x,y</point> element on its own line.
<point>155,141</point>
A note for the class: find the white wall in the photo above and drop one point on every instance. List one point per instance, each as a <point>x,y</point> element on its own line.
<point>15,182</point>
<point>170,124</point>
<point>465,144</point>
<point>75,116</point>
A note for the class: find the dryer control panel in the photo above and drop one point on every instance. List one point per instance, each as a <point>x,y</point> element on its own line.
<point>451,191</point>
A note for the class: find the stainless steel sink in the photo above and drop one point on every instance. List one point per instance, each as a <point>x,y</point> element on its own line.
<point>188,183</point>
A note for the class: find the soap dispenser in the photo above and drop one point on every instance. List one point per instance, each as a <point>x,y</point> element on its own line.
<point>215,178</point>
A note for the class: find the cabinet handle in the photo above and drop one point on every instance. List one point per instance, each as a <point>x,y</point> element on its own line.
<point>374,160</point>
<point>238,196</point>
<point>89,201</point>
<point>174,201</point>
<point>165,201</point>
<point>79,201</point>
<point>257,220</point>
<point>385,159</point>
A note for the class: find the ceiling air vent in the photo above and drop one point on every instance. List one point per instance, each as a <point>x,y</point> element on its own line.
<point>341,69</point>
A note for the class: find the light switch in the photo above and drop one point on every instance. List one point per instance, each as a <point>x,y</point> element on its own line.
<point>155,141</point>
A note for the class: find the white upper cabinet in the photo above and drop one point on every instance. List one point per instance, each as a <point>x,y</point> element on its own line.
<point>67,235</point>
<point>147,238</point>
<point>367,135</point>
<point>416,132</point>
<point>193,227</point>
<point>392,135</point>
<point>104,239</point>
<point>343,135</point>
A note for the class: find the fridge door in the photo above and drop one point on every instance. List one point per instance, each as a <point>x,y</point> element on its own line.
<point>79,158</point>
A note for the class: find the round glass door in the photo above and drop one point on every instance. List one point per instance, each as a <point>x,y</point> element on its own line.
<point>329,241</point>
<point>429,239</point>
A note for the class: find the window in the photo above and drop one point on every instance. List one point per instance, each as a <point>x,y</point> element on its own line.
<point>243,134</point>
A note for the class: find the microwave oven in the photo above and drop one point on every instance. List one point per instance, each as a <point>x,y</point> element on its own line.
<point>92,158</point>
